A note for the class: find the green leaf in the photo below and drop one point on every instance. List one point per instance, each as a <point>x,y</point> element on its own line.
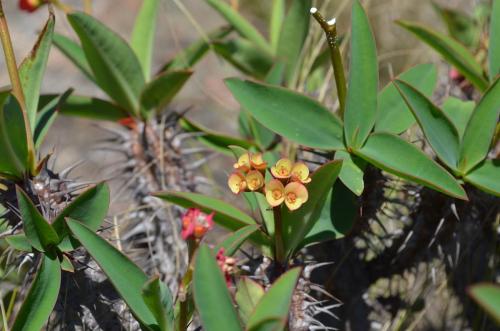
<point>292,115</point>
<point>32,69</point>
<point>143,35</point>
<point>297,224</point>
<point>488,297</point>
<point>89,208</point>
<point>226,215</point>
<point>211,295</point>
<point>393,115</point>
<point>293,35</point>
<point>88,107</point>
<point>116,69</point>
<point>233,242</point>
<point>393,154</point>
<point>485,176</point>
<point>461,26</point>
<point>361,104</point>
<point>458,112</point>
<point>437,127</point>
<point>189,56</point>
<point>351,173</point>
<point>163,88</point>
<point>39,232</point>
<point>452,51</point>
<point>41,298</point>
<point>338,215</point>
<point>158,298</point>
<point>74,53</point>
<point>19,242</point>
<point>480,129</point>
<point>216,141</point>
<point>13,141</point>
<point>127,278</point>
<point>494,46</point>
<point>276,22</point>
<point>240,24</point>
<point>276,302</point>
<point>46,117</point>
<point>66,264</point>
<point>248,295</point>
<point>243,55</point>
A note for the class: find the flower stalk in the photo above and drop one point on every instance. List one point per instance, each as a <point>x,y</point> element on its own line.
<point>279,249</point>
<point>330,28</point>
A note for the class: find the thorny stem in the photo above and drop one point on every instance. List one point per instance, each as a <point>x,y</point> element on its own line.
<point>17,89</point>
<point>279,249</point>
<point>330,29</point>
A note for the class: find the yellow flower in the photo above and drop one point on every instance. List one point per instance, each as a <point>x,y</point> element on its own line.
<point>275,192</point>
<point>282,169</point>
<point>254,180</point>
<point>295,195</point>
<point>257,162</point>
<point>236,182</point>
<point>300,173</point>
<point>243,163</point>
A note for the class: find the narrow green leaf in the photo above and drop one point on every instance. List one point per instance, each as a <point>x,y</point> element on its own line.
<point>41,298</point>
<point>462,27</point>
<point>485,176</point>
<point>393,115</point>
<point>351,174</point>
<point>163,88</point>
<point>39,232</point>
<point>361,104</point>
<point>189,56</point>
<point>297,224</point>
<point>88,107</point>
<point>488,297</point>
<point>494,46</point>
<point>143,35</point>
<point>74,53</point>
<point>452,51</point>
<point>233,242</point>
<point>89,208</point>
<point>211,295</point>
<point>13,141</point>
<point>275,23</point>
<point>46,117</point>
<point>248,295</point>
<point>292,115</point>
<point>158,298</point>
<point>19,242</point>
<point>127,278</point>
<point>459,112</point>
<point>276,302</point>
<point>240,24</point>
<point>243,55</point>
<point>218,142</point>
<point>480,129</point>
<point>32,70</point>
<point>66,264</point>
<point>397,156</point>
<point>437,127</point>
<point>114,64</point>
<point>293,35</point>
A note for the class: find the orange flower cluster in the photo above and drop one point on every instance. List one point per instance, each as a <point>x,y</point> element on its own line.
<point>288,184</point>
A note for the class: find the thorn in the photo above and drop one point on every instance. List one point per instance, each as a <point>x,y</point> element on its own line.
<point>332,21</point>
<point>313,10</point>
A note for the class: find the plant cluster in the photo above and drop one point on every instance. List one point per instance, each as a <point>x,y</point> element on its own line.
<point>301,164</point>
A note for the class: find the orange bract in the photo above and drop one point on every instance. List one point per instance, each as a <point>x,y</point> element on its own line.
<point>295,195</point>
<point>237,183</point>
<point>254,180</point>
<point>282,169</point>
<point>300,173</point>
<point>275,192</point>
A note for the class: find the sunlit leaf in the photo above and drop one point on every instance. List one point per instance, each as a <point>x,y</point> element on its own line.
<point>393,154</point>
<point>361,103</point>
<point>351,174</point>
<point>158,298</point>
<point>485,176</point>
<point>162,89</point>
<point>292,115</point>
<point>488,297</point>
<point>458,112</point>
<point>74,53</point>
<point>114,64</point>
<point>41,298</point>
<point>211,294</point>
<point>494,45</point>
<point>233,242</point>
<point>248,295</point>
<point>19,242</point>
<point>276,22</point>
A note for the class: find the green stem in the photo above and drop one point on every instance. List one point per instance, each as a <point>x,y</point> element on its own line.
<point>17,89</point>
<point>279,249</point>
<point>330,29</point>
<point>186,281</point>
